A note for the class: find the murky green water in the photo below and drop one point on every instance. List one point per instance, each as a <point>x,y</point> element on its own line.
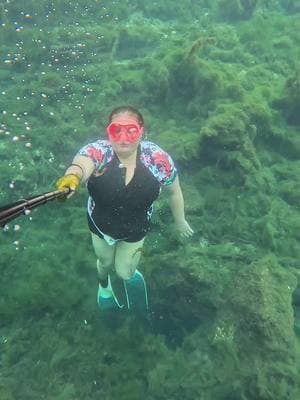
<point>218,83</point>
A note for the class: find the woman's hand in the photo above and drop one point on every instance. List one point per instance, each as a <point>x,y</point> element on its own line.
<point>70,181</point>
<point>184,228</point>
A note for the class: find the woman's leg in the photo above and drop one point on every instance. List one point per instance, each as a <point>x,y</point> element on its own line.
<point>127,257</point>
<point>105,256</point>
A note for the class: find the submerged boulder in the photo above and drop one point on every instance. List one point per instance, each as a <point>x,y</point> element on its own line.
<point>234,10</point>
<point>244,345</point>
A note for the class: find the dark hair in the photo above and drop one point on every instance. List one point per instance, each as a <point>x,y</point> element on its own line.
<point>129,109</point>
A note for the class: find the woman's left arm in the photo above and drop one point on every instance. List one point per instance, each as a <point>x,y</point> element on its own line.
<point>177,208</point>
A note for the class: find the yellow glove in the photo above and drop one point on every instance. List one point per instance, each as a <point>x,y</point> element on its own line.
<point>70,181</point>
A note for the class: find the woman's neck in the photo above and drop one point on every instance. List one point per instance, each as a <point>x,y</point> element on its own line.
<point>128,159</point>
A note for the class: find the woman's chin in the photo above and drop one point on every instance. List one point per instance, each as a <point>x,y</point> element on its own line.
<point>124,148</point>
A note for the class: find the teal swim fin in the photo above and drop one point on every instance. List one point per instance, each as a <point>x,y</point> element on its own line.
<point>136,293</point>
<point>106,298</point>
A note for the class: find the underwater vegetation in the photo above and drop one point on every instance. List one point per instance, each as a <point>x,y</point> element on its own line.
<point>218,84</point>
<point>289,103</point>
<point>237,9</point>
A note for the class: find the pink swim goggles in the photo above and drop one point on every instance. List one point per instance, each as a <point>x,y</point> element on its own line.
<point>124,132</point>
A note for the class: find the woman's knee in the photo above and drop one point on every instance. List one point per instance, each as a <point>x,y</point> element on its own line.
<point>127,258</point>
<point>104,253</point>
<point>104,263</point>
<point>125,271</point>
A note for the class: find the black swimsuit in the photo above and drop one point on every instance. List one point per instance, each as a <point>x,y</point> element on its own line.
<point>122,211</point>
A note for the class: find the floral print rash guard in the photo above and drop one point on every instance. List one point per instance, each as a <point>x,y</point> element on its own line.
<point>151,155</point>
<point>119,210</point>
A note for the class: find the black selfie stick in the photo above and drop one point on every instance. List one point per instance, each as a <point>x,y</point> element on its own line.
<point>24,206</point>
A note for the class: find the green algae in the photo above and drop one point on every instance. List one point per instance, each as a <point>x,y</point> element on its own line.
<point>218,84</point>
<point>237,9</point>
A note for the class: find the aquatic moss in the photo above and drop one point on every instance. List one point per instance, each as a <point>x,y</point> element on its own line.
<point>207,91</point>
<point>226,141</point>
<point>234,10</point>
<point>290,101</point>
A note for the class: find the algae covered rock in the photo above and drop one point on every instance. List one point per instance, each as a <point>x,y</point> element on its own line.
<point>244,336</point>
<point>290,101</point>
<point>227,141</point>
<point>292,6</point>
<point>263,298</point>
<point>237,9</point>
<point>262,313</point>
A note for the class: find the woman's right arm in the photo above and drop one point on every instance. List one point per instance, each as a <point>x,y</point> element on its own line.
<point>81,166</point>
<point>79,171</point>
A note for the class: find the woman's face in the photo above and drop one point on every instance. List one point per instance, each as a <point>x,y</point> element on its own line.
<point>124,133</point>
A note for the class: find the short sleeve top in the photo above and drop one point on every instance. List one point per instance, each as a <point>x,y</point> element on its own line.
<point>121,210</point>
<point>155,159</point>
